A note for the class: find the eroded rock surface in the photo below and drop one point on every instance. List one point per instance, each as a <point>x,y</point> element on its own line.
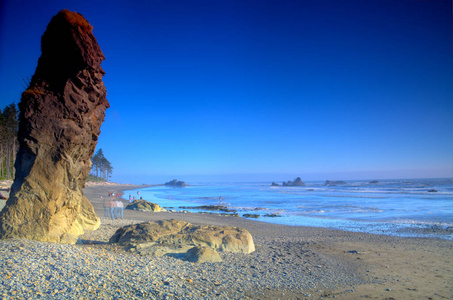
<point>171,237</point>
<point>59,124</point>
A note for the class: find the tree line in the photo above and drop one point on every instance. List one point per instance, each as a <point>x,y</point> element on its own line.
<point>9,126</point>
<point>101,168</point>
<point>9,145</point>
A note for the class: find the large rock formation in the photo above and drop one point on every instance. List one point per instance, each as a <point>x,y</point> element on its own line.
<point>60,118</point>
<point>178,237</point>
<point>296,182</point>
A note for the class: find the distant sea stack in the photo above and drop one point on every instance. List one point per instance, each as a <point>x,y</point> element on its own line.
<point>176,183</point>
<point>61,113</point>
<point>334,183</point>
<point>296,182</point>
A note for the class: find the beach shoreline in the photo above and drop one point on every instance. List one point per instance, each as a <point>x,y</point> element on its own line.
<point>290,262</point>
<point>383,260</point>
<point>395,207</point>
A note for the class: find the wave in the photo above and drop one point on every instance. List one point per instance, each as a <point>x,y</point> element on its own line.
<point>335,209</point>
<point>423,223</point>
<point>350,196</point>
<point>375,192</point>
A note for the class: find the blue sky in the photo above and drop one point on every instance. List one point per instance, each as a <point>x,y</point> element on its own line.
<point>260,90</point>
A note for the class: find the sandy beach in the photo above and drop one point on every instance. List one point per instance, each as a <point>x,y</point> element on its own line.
<point>290,262</point>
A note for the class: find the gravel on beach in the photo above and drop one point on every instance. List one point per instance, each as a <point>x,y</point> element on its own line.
<point>35,270</point>
<point>290,262</point>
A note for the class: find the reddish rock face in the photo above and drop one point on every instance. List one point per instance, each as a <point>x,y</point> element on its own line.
<point>60,118</point>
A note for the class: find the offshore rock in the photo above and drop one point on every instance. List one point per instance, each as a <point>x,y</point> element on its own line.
<point>296,182</point>
<point>210,207</point>
<point>60,118</point>
<point>175,183</point>
<point>173,237</point>
<point>334,183</point>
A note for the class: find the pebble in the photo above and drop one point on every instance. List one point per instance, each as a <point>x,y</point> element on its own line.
<point>36,270</point>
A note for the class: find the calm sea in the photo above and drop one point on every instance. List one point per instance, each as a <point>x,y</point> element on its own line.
<point>413,207</point>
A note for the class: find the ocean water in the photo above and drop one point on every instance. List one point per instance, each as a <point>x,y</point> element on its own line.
<point>392,207</point>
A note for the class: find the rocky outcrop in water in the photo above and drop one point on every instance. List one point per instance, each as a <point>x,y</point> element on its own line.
<point>296,182</point>
<point>176,238</point>
<point>175,183</point>
<point>252,216</point>
<point>334,183</point>
<point>210,207</point>
<point>61,113</point>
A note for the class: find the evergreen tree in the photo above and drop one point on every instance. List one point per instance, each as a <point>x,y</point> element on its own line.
<point>101,166</point>
<point>106,168</point>
<point>8,140</point>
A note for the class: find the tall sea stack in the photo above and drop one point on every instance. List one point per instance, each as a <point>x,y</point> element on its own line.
<point>61,114</point>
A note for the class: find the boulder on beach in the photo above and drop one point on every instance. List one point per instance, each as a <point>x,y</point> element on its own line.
<point>202,254</point>
<point>143,205</point>
<point>172,237</point>
<point>61,113</point>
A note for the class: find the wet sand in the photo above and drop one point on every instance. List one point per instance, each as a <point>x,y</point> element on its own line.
<point>368,266</point>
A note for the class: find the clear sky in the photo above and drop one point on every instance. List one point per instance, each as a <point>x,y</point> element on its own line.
<point>260,90</point>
